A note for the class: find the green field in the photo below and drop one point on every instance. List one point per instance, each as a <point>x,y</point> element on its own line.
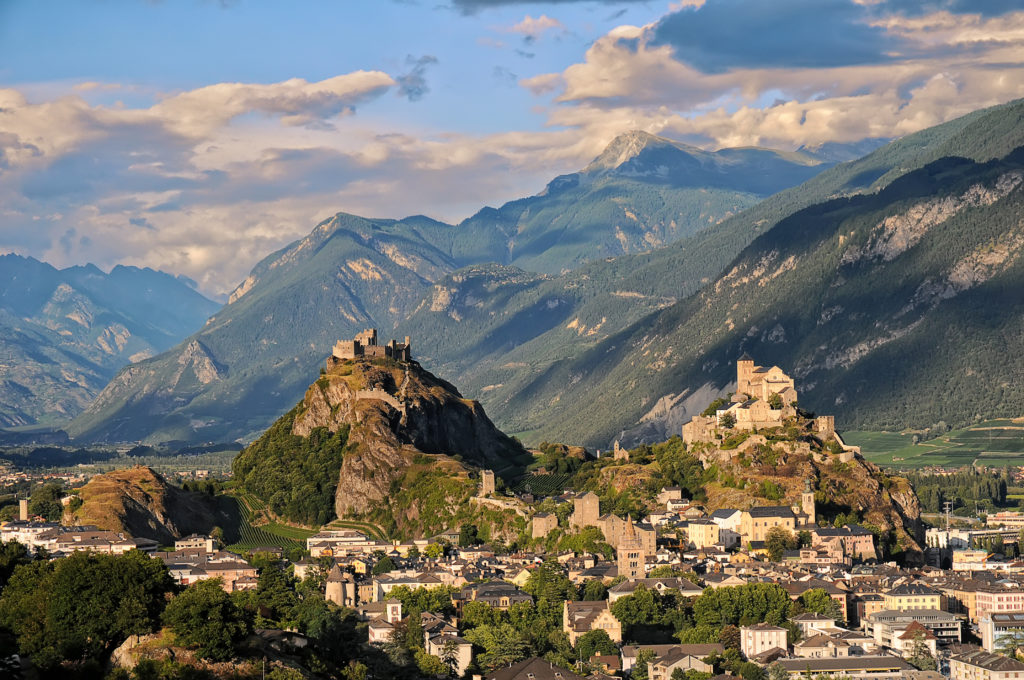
<point>245,535</point>
<point>994,443</point>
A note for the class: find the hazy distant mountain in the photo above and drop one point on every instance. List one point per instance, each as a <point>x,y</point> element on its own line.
<point>253,359</point>
<point>64,333</point>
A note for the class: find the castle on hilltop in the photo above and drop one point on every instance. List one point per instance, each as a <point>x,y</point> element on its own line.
<point>764,397</point>
<point>365,345</point>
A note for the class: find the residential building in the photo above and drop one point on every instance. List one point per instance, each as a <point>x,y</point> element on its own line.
<point>982,665</point>
<point>755,523</point>
<point>912,596</point>
<point>582,617</point>
<point>762,637</point>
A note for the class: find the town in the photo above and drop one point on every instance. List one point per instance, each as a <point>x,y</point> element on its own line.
<point>764,591</point>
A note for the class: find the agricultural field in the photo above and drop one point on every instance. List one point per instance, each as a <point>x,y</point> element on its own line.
<point>246,535</point>
<point>542,485</point>
<point>994,443</point>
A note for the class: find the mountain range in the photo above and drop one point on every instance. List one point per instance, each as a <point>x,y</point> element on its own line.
<point>251,361</point>
<point>870,281</point>
<point>66,332</point>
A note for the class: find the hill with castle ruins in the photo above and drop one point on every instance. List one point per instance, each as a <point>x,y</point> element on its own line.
<point>392,443</point>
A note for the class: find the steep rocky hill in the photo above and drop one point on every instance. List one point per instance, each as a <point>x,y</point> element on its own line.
<point>366,429</point>
<point>64,333</point>
<point>254,355</point>
<point>140,502</point>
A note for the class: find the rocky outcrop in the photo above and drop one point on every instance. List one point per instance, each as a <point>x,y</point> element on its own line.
<point>396,411</point>
<point>140,502</point>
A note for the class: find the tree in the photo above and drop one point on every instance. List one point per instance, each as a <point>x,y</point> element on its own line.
<point>643,657</point>
<point>429,664</point>
<point>727,420</point>
<point>920,656</point>
<point>777,672</point>
<point>467,536</point>
<point>742,605</point>
<point>203,616</point>
<point>275,593</point>
<point>450,656</point>
<point>82,606</point>
<point>818,601</point>
<point>594,590</point>
<point>12,554</point>
<point>777,541</point>
<point>775,402</point>
<point>434,551</point>
<point>730,637</point>
<point>384,565</point>
<point>594,642</point>
<point>804,539</point>
<point>45,502</point>
<point>502,644</point>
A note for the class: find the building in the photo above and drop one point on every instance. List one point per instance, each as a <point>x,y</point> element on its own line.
<point>702,533</point>
<point>497,594</point>
<point>614,529</point>
<point>661,585</point>
<point>365,345</point>
<point>998,599</point>
<point>729,526</point>
<point>533,668</point>
<point>486,482</point>
<point>662,667</point>
<point>340,588</point>
<point>887,627</point>
<point>982,665</point>
<point>758,382</point>
<point>543,524</point>
<point>1006,518</point>
<point>755,523</point>
<point>912,596</point>
<point>762,637</point>
<point>630,555</point>
<point>619,453</point>
<point>855,667</point>
<point>196,542</point>
<point>821,646</point>
<point>701,651</point>
<point>579,618</point>
<point>994,627</point>
<point>586,510</point>
<point>852,541</point>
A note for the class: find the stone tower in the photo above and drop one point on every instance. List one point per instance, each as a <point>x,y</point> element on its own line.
<point>486,482</point>
<point>630,553</point>
<point>23,509</point>
<point>807,503</point>
<point>744,374</point>
<point>586,510</point>
<point>619,453</point>
<point>340,588</point>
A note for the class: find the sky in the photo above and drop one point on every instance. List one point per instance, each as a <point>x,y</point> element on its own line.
<point>198,137</point>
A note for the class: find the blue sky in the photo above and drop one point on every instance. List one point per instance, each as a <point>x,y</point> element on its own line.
<point>198,136</point>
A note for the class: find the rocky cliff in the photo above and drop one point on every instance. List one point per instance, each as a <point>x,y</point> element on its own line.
<point>140,502</point>
<point>401,422</point>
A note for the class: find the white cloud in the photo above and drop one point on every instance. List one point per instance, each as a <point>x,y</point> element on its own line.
<point>535,28</point>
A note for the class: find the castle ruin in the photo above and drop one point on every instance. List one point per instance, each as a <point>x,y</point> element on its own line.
<point>764,397</point>
<point>365,345</point>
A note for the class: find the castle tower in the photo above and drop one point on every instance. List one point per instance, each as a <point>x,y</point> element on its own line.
<point>486,482</point>
<point>23,509</point>
<point>807,503</point>
<point>744,374</point>
<point>340,588</point>
<point>630,553</point>
<point>586,509</point>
